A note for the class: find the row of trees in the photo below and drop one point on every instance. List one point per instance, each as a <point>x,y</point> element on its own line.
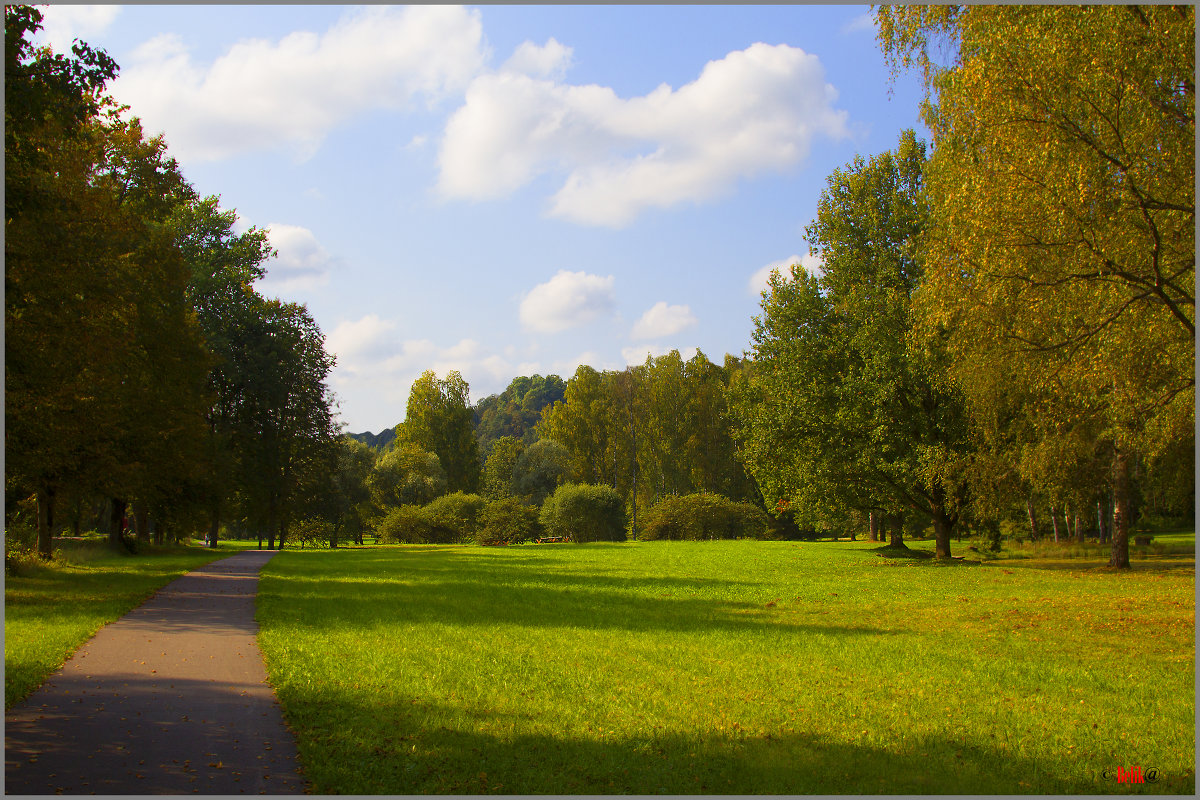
<point>141,365</point>
<point>1009,323</point>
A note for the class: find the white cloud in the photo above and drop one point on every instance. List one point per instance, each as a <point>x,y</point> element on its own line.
<point>364,339</point>
<point>662,320</point>
<point>61,24</point>
<point>551,60</point>
<point>756,110</point>
<point>638,353</point>
<point>567,300</point>
<point>758,281</point>
<point>374,361</point>
<point>263,95</point>
<point>302,262</point>
<point>863,22</point>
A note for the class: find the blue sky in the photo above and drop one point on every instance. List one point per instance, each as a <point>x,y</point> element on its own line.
<point>509,190</point>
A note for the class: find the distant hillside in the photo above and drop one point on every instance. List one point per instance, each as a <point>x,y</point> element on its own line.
<point>378,441</point>
<point>516,410</point>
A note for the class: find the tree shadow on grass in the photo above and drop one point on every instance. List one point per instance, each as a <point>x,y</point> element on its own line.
<point>494,592</point>
<point>416,747</point>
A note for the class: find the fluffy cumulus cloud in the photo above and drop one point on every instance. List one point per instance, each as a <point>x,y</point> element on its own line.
<point>567,300</point>
<point>62,24</point>
<point>263,94</point>
<point>662,320</point>
<point>376,364</point>
<point>302,263</point>
<point>639,353</point>
<point>758,281</point>
<point>755,111</point>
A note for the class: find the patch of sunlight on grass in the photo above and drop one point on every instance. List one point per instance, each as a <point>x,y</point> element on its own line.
<point>724,667</point>
<point>51,609</point>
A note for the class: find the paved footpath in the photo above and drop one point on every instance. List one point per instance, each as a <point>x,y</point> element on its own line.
<point>170,699</point>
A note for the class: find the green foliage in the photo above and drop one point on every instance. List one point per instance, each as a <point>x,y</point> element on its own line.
<point>402,525</point>
<point>458,512</point>
<point>585,513</point>
<point>844,410</point>
<point>696,517</point>
<point>311,532</point>
<point>1062,249</point>
<point>539,469</point>
<point>659,428</point>
<point>499,472</point>
<point>515,411</point>
<point>508,521</point>
<point>439,420</point>
<point>406,475</point>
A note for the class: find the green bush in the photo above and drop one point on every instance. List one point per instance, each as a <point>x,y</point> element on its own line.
<point>507,520</point>
<point>402,525</point>
<point>694,517</point>
<point>585,513</point>
<point>454,517</point>
<point>311,532</point>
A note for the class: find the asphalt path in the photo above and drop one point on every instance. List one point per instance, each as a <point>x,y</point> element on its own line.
<point>170,699</point>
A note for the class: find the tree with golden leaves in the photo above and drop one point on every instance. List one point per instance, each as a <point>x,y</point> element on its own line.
<point>1061,248</point>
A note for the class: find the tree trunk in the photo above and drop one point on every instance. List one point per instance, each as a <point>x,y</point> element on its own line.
<point>141,521</point>
<point>271,523</point>
<point>1054,521</point>
<point>1078,525</point>
<point>1033,523</point>
<point>896,530</point>
<point>873,522</point>
<point>1121,513</point>
<point>943,526</point>
<point>45,540</point>
<point>214,524</point>
<point>1103,519</point>
<point>116,523</point>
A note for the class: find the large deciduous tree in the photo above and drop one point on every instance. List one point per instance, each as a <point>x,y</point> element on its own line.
<point>104,366</point>
<point>439,420</point>
<point>844,409</point>
<point>1062,249</point>
<point>289,415</point>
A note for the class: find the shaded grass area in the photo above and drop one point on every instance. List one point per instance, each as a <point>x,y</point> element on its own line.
<point>51,609</point>
<point>725,667</point>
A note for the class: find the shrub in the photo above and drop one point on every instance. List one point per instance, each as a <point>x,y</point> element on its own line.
<point>703,516</point>
<point>454,517</point>
<point>402,524</point>
<point>311,532</point>
<point>507,520</point>
<point>585,513</point>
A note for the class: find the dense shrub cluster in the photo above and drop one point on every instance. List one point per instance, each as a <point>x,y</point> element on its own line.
<point>449,519</point>
<point>457,514</point>
<point>703,516</point>
<point>585,513</point>
<point>508,521</point>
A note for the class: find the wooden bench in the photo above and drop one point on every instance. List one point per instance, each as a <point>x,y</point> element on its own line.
<point>1142,539</point>
<point>550,539</point>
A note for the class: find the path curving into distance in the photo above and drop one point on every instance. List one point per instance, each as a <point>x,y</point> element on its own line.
<point>170,699</point>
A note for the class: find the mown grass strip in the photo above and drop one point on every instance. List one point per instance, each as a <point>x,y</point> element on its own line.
<point>726,667</point>
<point>52,609</point>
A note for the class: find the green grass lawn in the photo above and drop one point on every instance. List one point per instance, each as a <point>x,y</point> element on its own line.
<point>50,610</point>
<point>729,667</point>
